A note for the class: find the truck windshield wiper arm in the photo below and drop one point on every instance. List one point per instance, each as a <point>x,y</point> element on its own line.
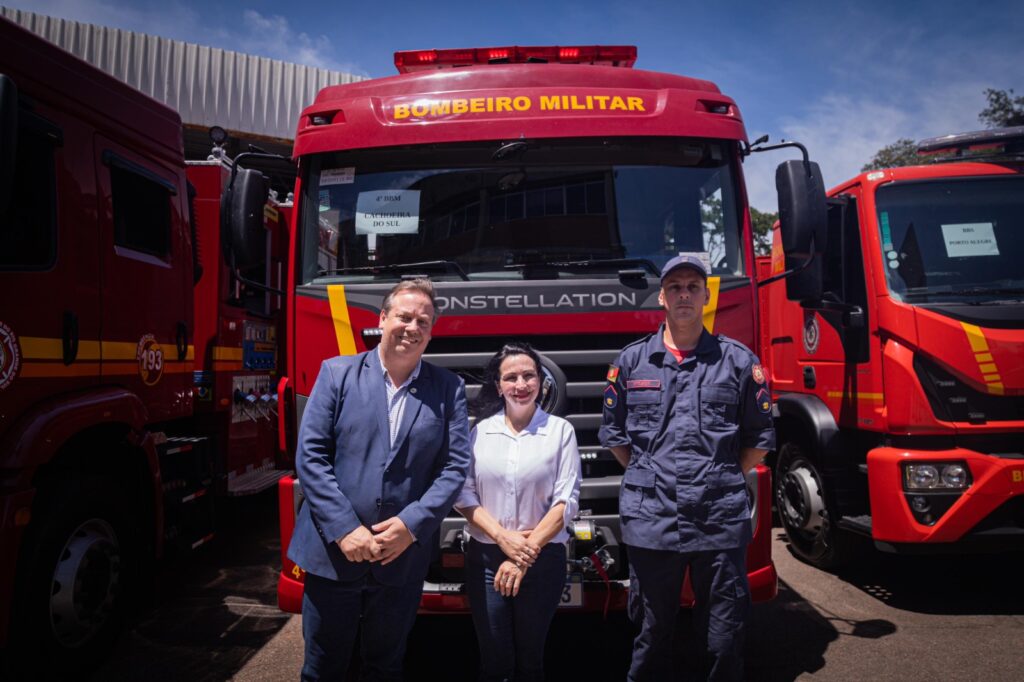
<point>601,262</point>
<point>985,291</point>
<point>434,265</point>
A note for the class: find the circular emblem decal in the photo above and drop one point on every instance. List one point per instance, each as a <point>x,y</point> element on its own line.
<point>812,334</point>
<point>10,356</point>
<point>151,360</point>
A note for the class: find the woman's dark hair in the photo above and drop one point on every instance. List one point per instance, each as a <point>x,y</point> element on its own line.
<point>488,401</point>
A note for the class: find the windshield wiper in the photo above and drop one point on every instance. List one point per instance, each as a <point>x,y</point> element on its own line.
<point>411,269</point>
<point>535,261</point>
<point>987,291</point>
<point>621,263</point>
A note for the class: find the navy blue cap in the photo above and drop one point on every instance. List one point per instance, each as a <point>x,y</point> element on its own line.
<point>684,261</point>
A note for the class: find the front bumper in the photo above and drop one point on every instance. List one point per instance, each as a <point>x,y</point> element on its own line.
<point>987,515</point>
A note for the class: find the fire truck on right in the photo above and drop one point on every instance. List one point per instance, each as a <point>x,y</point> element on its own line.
<point>897,358</point>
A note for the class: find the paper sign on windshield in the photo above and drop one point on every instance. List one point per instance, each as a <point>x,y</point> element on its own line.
<point>970,239</point>
<point>388,211</point>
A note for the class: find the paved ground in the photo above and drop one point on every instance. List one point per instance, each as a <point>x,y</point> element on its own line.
<point>888,618</point>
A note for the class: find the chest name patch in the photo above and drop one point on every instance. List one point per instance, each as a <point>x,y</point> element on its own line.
<point>642,383</point>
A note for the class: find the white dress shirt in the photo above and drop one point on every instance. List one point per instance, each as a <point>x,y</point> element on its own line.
<point>517,478</point>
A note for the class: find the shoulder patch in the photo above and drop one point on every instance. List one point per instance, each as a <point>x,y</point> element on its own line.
<point>757,372</point>
<point>611,396</point>
<point>613,373</point>
<point>764,401</point>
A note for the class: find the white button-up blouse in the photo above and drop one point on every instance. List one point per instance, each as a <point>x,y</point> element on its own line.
<point>517,478</point>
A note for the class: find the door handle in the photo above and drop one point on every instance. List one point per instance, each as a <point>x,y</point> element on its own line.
<point>69,337</point>
<point>181,341</point>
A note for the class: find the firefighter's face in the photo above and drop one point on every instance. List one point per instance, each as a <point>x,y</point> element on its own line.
<point>684,293</point>
<point>407,324</point>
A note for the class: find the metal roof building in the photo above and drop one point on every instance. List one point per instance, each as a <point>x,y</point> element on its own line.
<point>256,99</point>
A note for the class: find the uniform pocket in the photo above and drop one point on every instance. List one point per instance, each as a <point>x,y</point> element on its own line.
<point>637,494</point>
<point>643,410</point>
<point>719,405</point>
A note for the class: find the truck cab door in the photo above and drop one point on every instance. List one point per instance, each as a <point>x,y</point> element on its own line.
<point>835,354</point>
<point>147,278</point>
<point>49,261</point>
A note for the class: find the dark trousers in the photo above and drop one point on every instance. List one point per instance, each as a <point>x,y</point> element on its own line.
<point>333,613</point>
<point>719,580</point>
<point>511,631</point>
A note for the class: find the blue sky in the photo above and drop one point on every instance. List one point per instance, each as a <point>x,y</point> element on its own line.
<point>845,78</point>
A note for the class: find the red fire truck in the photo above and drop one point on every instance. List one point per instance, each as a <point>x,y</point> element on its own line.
<point>541,189</point>
<point>137,368</point>
<point>897,359</point>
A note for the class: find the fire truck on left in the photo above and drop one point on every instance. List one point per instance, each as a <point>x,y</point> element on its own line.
<point>137,365</point>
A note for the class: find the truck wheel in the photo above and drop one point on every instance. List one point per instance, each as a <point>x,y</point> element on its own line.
<point>74,580</point>
<point>807,515</point>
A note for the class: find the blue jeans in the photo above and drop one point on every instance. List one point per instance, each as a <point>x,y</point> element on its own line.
<point>333,612</point>
<point>511,631</point>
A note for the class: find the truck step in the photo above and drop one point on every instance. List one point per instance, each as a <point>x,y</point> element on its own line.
<point>255,480</point>
<point>856,524</point>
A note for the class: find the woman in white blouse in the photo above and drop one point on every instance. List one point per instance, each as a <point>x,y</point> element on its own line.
<point>521,492</point>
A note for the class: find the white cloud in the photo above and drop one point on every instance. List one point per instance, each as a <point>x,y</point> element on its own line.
<point>843,131</point>
<point>251,33</point>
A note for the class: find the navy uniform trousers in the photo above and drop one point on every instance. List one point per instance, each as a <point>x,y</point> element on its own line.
<point>719,580</point>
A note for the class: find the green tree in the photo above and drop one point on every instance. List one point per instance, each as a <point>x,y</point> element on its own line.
<point>1003,110</point>
<point>903,152</point>
<point>761,223</point>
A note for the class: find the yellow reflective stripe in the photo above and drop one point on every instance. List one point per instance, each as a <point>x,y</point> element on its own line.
<point>714,283</point>
<point>38,348</point>
<point>975,337</point>
<point>342,324</point>
<point>860,395</point>
<point>120,350</point>
<point>226,353</point>
<point>986,363</point>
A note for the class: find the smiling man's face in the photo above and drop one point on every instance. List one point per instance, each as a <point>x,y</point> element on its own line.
<point>407,324</point>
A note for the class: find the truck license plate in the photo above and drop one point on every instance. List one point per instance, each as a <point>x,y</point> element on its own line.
<point>572,593</point>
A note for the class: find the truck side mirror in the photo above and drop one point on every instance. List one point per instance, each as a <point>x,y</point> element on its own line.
<point>242,231</point>
<point>8,138</point>
<point>803,223</point>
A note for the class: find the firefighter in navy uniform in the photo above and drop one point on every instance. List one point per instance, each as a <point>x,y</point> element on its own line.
<point>687,413</point>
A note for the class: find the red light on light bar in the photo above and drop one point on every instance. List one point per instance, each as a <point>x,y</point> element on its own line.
<point>603,55</point>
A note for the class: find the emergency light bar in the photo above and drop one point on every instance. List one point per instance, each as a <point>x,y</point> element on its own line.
<point>409,61</point>
<point>1009,140</point>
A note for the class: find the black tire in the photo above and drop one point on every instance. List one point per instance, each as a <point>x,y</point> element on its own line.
<point>77,569</point>
<point>807,512</point>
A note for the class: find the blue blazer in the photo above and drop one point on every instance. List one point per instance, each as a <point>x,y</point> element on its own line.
<point>351,476</point>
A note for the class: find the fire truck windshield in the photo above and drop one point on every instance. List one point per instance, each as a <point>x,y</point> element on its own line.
<point>953,241</point>
<point>536,209</point>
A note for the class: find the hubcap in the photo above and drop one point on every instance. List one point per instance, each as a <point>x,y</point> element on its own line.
<point>800,500</point>
<point>85,582</point>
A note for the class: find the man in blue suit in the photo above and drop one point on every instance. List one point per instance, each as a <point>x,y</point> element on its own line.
<point>382,455</point>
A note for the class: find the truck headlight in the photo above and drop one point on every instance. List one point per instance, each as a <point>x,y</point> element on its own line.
<point>936,476</point>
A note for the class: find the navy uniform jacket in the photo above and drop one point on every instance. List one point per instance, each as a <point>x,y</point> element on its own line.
<point>685,425</point>
<point>351,475</point>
